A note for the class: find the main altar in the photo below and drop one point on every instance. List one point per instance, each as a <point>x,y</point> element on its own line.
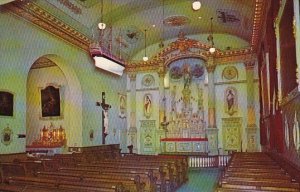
<point>186,128</point>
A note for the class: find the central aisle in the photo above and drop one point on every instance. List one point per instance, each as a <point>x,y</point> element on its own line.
<point>201,180</point>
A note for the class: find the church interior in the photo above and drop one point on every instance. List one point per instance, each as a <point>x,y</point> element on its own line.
<point>149,95</point>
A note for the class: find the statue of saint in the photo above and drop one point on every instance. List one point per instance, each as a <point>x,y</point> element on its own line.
<point>147,106</point>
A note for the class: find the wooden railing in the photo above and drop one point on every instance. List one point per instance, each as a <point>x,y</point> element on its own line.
<point>208,161</point>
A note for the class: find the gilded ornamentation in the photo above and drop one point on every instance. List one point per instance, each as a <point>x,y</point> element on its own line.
<point>210,65</point>
<point>231,133</point>
<point>148,80</point>
<point>35,14</point>
<point>230,72</point>
<point>7,135</point>
<point>257,23</point>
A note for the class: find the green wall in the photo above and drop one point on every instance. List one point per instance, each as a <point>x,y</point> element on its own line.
<point>21,44</point>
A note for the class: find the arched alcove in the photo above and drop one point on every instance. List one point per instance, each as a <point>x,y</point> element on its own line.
<point>51,72</point>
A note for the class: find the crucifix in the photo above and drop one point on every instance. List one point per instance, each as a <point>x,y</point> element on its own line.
<point>105,108</point>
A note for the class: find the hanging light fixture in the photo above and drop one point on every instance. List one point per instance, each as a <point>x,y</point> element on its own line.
<point>145,58</point>
<point>101,25</point>
<point>161,44</point>
<point>104,59</point>
<point>196,5</point>
<point>210,38</point>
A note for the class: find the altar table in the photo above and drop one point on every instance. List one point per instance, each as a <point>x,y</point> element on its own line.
<point>184,145</point>
<point>46,150</point>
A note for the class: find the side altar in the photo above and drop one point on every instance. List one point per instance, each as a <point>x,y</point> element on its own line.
<point>51,140</point>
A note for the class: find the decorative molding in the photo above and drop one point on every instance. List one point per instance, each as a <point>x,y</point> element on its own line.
<point>40,17</point>
<point>210,65</point>
<point>148,80</point>
<point>43,62</point>
<point>230,72</point>
<point>259,15</point>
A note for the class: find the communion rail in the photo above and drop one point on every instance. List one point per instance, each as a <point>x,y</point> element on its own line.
<point>208,161</point>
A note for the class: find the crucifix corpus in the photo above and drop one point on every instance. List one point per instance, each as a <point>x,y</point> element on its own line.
<point>105,108</point>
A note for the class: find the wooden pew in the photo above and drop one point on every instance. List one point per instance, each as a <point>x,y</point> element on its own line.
<point>145,176</point>
<point>179,163</point>
<point>162,171</point>
<point>62,184</point>
<point>131,184</point>
<point>255,172</point>
<point>12,169</point>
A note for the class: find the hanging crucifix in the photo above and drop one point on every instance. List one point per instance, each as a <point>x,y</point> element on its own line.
<point>105,108</point>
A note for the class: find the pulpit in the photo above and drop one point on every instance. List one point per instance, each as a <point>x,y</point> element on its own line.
<point>184,145</point>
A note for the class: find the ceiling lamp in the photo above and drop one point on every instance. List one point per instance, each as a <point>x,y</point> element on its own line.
<point>210,38</point>
<point>104,59</point>
<point>196,5</point>
<point>101,25</point>
<point>145,58</point>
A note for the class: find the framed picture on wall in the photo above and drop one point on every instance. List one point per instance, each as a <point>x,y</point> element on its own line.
<point>51,102</point>
<point>6,103</point>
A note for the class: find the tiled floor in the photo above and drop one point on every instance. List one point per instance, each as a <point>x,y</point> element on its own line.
<point>201,180</point>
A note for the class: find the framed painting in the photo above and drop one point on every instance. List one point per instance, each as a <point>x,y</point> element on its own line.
<point>51,102</point>
<point>6,104</point>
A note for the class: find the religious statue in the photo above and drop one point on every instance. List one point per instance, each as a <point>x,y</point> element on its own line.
<point>147,106</point>
<point>186,93</point>
<point>173,101</point>
<point>230,101</point>
<point>187,76</point>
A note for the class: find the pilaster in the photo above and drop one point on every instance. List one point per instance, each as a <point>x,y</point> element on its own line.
<point>132,132</point>
<point>251,129</point>
<point>211,130</point>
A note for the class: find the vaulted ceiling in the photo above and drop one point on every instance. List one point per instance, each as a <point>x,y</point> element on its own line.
<point>236,24</point>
